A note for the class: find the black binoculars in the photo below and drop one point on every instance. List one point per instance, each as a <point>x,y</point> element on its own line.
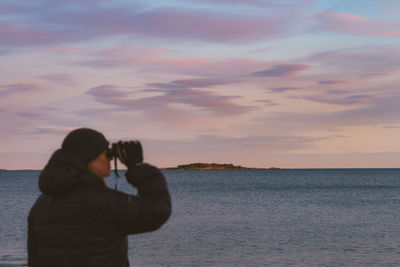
<point>128,152</point>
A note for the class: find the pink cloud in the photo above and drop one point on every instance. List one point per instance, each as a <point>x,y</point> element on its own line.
<point>275,5</point>
<point>12,34</point>
<point>257,3</point>
<point>350,18</point>
<point>181,23</point>
<point>131,50</point>
<point>149,62</point>
<point>64,25</point>
<point>354,24</point>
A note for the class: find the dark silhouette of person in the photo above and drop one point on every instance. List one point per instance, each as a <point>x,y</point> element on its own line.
<point>78,220</point>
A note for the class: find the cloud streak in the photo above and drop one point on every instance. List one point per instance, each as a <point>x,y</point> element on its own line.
<point>382,110</point>
<point>18,88</point>
<point>65,25</point>
<point>281,70</point>
<point>350,23</point>
<point>363,61</point>
<point>175,92</point>
<point>60,78</point>
<point>329,82</point>
<point>53,130</point>
<point>339,100</point>
<point>282,89</point>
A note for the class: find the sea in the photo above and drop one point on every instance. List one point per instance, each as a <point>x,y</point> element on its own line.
<point>288,217</point>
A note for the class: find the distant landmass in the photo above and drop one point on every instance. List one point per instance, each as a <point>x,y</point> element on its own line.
<point>214,166</point>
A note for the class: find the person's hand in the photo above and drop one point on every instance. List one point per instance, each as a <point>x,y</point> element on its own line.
<point>130,153</point>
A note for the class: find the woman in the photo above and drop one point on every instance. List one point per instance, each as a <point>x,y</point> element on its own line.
<point>78,221</point>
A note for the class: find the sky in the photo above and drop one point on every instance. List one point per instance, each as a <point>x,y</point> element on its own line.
<point>257,83</point>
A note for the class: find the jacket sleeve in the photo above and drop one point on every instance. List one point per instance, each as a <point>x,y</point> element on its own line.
<point>32,253</point>
<point>147,211</point>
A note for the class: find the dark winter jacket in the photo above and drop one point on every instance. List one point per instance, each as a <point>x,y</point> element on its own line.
<point>79,222</point>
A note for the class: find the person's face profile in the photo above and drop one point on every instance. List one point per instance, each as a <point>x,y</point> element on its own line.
<point>100,165</point>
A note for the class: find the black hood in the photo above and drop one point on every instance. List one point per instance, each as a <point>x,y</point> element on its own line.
<point>63,173</point>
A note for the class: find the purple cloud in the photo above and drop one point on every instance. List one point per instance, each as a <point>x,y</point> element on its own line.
<point>106,91</point>
<point>192,83</point>
<point>18,88</point>
<point>149,61</point>
<point>179,23</point>
<point>281,70</point>
<point>175,92</point>
<point>329,82</point>
<point>382,110</point>
<point>282,89</point>
<point>257,3</point>
<point>337,92</point>
<point>12,35</point>
<point>267,102</point>
<point>49,25</point>
<point>31,114</point>
<point>360,60</point>
<point>359,99</point>
<point>61,78</point>
<point>341,100</point>
<point>7,8</point>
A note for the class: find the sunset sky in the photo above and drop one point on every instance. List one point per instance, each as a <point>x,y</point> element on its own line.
<point>259,83</point>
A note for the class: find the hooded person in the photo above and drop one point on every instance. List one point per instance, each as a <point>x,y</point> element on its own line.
<point>79,221</point>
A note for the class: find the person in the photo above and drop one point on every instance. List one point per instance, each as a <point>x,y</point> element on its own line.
<point>78,220</point>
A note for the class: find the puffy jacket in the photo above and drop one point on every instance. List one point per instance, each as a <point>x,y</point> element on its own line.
<point>78,221</point>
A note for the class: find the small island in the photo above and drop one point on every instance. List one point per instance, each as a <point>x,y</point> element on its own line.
<point>213,166</point>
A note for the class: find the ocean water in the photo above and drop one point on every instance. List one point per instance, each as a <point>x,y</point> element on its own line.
<point>313,217</point>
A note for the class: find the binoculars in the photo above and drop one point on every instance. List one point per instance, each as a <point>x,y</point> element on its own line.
<point>128,152</point>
